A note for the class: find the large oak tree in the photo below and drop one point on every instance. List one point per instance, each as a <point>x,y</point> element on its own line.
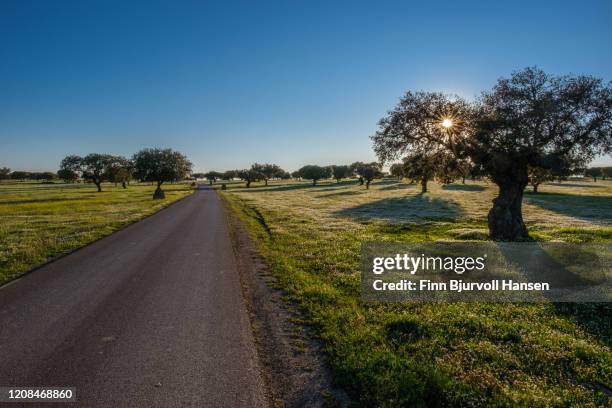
<point>529,119</point>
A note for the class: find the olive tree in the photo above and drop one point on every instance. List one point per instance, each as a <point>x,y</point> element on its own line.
<point>529,119</point>
<point>5,173</point>
<point>121,171</point>
<point>340,172</point>
<point>95,167</point>
<point>229,174</point>
<point>421,166</point>
<point>357,169</point>
<point>593,172</point>
<point>160,165</point>
<point>397,170</point>
<point>314,173</point>
<point>212,176</point>
<point>20,175</point>
<point>249,175</point>
<point>369,172</point>
<point>268,171</point>
<point>68,176</point>
<point>537,176</point>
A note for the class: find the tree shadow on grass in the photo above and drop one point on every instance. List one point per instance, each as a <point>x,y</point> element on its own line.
<point>595,318</point>
<point>463,187</point>
<point>583,207</point>
<point>43,200</point>
<point>343,193</point>
<point>397,186</point>
<point>574,185</point>
<point>556,264</point>
<point>414,208</point>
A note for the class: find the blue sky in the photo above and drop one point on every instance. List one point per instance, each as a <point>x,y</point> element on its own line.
<point>231,83</point>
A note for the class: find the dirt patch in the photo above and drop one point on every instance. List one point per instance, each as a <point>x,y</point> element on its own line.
<point>294,368</point>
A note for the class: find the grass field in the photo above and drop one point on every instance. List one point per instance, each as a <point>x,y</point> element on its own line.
<point>426,353</point>
<point>39,221</point>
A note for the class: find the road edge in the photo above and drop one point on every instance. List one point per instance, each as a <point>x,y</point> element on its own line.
<point>293,364</point>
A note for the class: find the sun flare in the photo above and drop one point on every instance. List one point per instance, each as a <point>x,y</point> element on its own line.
<point>447,123</point>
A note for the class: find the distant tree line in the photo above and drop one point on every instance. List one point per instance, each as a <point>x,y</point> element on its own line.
<point>365,172</point>
<point>6,174</point>
<point>599,172</point>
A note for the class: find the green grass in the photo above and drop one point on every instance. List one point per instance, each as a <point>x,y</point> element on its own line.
<point>429,353</point>
<point>39,221</point>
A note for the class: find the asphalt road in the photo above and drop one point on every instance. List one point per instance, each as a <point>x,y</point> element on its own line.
<point>151,316</point>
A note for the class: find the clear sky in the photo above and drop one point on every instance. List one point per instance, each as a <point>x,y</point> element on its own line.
<point>289,82</point>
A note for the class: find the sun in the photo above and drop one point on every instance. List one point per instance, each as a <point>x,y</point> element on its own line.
<point>447,123</point>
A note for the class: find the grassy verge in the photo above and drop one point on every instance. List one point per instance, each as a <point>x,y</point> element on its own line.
<point>39,221</point>
<point>424,353</point>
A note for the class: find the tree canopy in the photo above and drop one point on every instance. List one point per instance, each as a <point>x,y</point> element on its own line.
<point>95,167</point>
<point>341,171</point>
<point>268,171</point>
<point>160,165</point>
<point>314,173</point>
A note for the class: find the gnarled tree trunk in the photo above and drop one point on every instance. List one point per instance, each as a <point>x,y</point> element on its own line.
<point>506,216</point>
<point>424,185</point>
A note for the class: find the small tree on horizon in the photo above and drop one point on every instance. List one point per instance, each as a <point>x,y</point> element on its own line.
<point>95,167</point>
<point>268,171</point>
<point>121,171</point>
<point>5,173</point>
<point>421,166</point>
<point>160,165</point>
<point>20,175</point>
<point>249,176</point>
<point>397,170</point>
<point>371,171</point>
<point>340,172</point>
<point>229,174</point>
<point>212,176</point>
<point>593,172</point>
<point>314,173</point>
<point>537,176</point>
<point>357,169</point>
<point>67,175</point>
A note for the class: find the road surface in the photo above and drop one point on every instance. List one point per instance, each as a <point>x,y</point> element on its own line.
<point>150,316</point>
